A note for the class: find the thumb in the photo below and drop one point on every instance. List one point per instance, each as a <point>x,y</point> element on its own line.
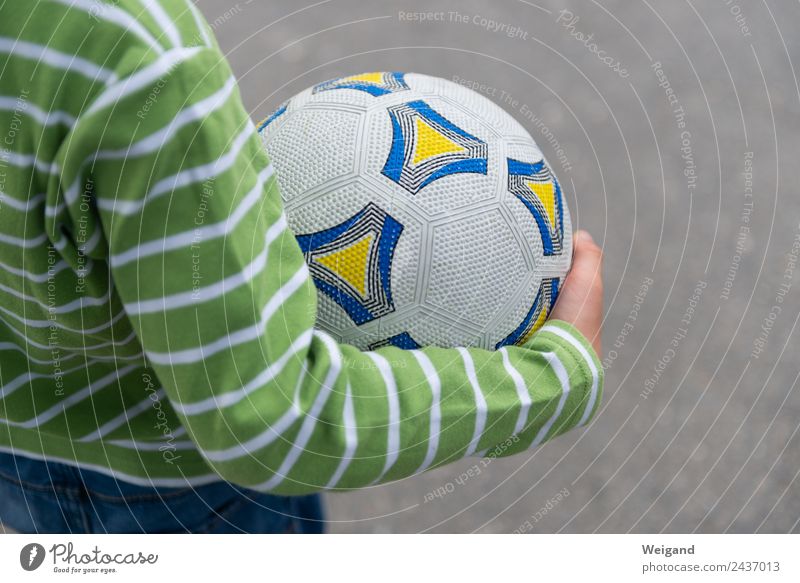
<point>587,259</point>
<point>580,301</point>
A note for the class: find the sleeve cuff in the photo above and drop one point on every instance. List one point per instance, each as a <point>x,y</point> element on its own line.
<point>583,356</point>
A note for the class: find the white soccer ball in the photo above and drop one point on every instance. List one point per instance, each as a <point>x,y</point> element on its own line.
<point>426,213</point>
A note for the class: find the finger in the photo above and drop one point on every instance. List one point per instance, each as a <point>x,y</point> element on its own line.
<point>588,256</point>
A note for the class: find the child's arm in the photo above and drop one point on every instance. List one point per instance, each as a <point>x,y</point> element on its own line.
<point>192,224</point>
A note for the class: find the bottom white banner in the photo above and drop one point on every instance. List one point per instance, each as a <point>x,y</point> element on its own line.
<point>406,558</point>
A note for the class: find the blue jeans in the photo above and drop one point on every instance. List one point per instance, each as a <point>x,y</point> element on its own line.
<point>49,497</point>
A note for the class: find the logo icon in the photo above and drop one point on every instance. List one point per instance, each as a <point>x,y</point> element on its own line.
<point>31,556</point>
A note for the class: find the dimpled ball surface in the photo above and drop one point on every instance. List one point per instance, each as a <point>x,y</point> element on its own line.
<point>427,214</point>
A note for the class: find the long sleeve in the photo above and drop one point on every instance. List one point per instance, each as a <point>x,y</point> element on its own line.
<point>186,211</point>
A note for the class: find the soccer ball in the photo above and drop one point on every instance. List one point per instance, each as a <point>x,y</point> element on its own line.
<point>427,215</point>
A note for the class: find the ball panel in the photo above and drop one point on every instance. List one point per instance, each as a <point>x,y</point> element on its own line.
<point>428,326</point>
<point>312,148</point>
<point>475,266</point>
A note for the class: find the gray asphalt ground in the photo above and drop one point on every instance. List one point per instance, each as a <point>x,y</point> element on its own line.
<point>695,203</point>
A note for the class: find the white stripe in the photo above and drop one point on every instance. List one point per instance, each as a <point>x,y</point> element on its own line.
<point>83,349</point>
<point>436,409</point>
<point>31,323</point>
<point>522,391</point>
<point>143,78</point>
<point>46,118</point>
<point>155,445</point>
<point>21,205</point>
<point>73,399</point>
<point>164,21</point>
<point>54,211</point>
<point>563,378</point>
<point>124,417</point>
<point>115,15</point>
<point>206,232</point>
<point>350,439</point>
<point>92,242</point>
<point>200,480</point>
<point>240,336</point>
<point>117,357</point>
<point>70,356</point>
<point>189,176</point>
<point>589,362</point>
<point>310,421</point>
<point>156,141</point>
<point>17,348</point>
<point>60,243</point>
<point>54,58</point>
<point>74,305</point>
<point>24,243</point>
<point>199,22</point>
<point>210,292</point>
<point>262,440</point>
<point>480,401</point>
<point>58,267</point>
<point>185,444</point>
<point>11,386</point>
<point>393,438</point>
<point>267,375</point>
<point>26,160</point>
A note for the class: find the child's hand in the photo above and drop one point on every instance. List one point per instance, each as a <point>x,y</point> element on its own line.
<point>580,301</point>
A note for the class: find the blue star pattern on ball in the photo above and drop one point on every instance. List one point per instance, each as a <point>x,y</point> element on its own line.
<point>426,147</point>
<point>376,84</point>
<point>402,340</point>
<point>351,263</point>
<point>538,189</point>
<point>533,320</point>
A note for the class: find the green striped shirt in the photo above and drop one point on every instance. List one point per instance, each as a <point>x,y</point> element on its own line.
<point>156,313</point>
